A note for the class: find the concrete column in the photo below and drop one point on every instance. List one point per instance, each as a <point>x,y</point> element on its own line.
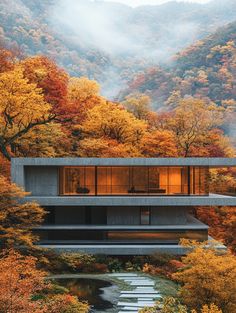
<point>17,174</point>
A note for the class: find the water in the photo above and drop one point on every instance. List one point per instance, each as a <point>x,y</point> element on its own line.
<point>91,290</point>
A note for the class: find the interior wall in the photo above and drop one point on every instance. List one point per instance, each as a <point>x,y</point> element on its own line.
<point>169,215</point>
<point>69,215</point>
<point>123,216</point>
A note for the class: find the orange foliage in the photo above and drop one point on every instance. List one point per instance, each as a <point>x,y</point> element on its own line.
<point>19,282</point>
<point>159,144</point>
<point>6,60</point>
<point>48,76</point>
<point>16,219</point>
<point>209,277</point>
<point>24,288</point>
<point>222,222</point>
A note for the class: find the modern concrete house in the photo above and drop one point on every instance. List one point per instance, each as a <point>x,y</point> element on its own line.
<point>133,206</point>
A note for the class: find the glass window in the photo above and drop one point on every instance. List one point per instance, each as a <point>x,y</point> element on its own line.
<point>120,180</point>
<point>133,180</point>
<point>104,180</point>
<point>175,180</point>
<point>77,180</point>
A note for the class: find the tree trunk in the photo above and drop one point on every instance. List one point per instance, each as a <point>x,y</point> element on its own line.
<point>4,151</point>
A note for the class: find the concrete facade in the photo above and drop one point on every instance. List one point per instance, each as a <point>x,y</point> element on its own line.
<point>112,224</point>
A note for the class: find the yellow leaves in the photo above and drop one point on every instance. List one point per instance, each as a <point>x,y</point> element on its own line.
<point>210,309</point>
<point>138,104</point>
<point>21,102</point>
<point>81,89</point>
<point>159,144</point>
<point>82,95</point>
<point>42,141</point>
<point>17,220</point>
<point>209,277</point>
<point>114,122</point>
<point>9,191</point>
<point>191,122</point>
<point>169,305</point>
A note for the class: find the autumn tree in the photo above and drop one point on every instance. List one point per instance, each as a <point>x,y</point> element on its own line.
<point>6,60</point>
<point>158,144</point>
<point>191,122</point>
<point>105,147</point>
<point>19,282</point>
<point>138,105</point>
<point>83,94</point>
<point>17,220</point>
<point>52,80</point>
<point>49,140</point>
<point>112,121</point>
<point>209,277</point>
<point>222,222</point>
<point>24,288</point>
<point>174,99</point>
<point>22,107</point>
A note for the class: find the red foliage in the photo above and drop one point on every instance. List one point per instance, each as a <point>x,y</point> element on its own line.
<point>48,76</point>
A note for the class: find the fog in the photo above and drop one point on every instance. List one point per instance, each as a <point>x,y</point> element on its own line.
<point>124,34</point>
<point>110,29</point>
<point>136,3</point>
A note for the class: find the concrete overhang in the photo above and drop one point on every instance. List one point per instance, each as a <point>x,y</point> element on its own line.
<point>211,162</point>
<point>128,249</point>
<point>212,200</point>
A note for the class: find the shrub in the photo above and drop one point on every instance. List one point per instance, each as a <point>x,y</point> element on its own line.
<point>77,261</point>
<point>114,265</point>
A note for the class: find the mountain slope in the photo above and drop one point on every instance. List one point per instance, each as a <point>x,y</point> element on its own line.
<point>106,41</point>
<point>205,69</point>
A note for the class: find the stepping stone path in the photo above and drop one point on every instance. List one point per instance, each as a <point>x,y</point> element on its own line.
<point>142,295</point>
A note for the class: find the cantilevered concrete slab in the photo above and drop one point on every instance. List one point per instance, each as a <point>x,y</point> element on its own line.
<point>211,162</point>
<point>211,200</point>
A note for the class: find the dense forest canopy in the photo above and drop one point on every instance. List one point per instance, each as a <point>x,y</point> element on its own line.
<point>114,42</point>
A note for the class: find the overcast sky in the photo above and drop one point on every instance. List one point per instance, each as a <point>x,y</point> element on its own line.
<point>135,3</point>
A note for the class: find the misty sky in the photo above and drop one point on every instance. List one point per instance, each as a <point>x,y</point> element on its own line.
<point>135,3</point>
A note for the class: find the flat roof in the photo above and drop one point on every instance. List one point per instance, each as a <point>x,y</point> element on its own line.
<point>211,162</point>
<point>211,200</point>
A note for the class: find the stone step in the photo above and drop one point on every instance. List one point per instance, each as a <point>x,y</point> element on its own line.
<point>137,283</point>
<point>136,278</point>
<point>128,308</point>
<point>145,287</point>
<point>137,304</point>
<point>148,289</point>
<point>124,275</point>
<point>131,296</point>
<point>152,291</point>
<point>135,311</point>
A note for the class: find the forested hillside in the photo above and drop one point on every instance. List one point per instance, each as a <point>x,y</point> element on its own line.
<point>114,42</point>
<point>205,69</point>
